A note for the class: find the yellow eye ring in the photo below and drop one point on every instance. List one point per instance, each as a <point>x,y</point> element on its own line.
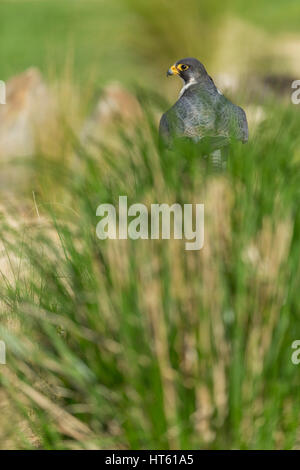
<point>182,67</point>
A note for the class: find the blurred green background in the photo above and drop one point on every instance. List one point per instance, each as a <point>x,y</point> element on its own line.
<point>139,344</point>
<point>126,39</point>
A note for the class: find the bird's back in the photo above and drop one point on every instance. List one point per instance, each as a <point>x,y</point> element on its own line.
<point>201,112</point>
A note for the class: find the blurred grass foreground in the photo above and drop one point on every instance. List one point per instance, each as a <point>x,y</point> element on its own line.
<point>139,344</point>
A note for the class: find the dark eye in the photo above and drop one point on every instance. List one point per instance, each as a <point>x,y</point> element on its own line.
<point>183,67</point>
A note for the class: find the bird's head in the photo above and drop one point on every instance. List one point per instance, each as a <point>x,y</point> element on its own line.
<point>189,69</point>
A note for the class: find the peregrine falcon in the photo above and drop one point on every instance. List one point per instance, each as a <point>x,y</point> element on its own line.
<point>202,114</point>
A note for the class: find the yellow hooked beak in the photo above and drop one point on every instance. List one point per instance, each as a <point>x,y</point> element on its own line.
<point>172,71</point>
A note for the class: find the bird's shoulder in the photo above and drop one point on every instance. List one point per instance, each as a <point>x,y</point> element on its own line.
<point>232,118</point>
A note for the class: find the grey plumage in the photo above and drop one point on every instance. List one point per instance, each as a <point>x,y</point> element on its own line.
<point>202,113</point>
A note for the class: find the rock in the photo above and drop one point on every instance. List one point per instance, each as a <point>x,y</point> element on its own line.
<point>26,110</point>
<point>255,88</point>
<point>227,82</point>
<point>116,105</point>
<point>279,84</point>
<point>27,106</point>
